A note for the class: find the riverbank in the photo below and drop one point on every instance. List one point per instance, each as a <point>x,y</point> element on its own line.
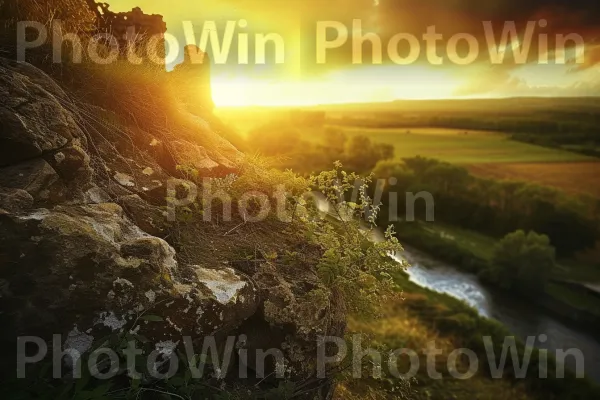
<point>471,252</point>
<point>423,316</point>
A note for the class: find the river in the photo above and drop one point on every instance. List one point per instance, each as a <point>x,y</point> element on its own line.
<point>519,316</point>
<point>522,318</point>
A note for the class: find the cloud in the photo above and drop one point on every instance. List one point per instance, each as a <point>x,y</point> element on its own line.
<point>450,17</point>
<point>387,18</point>
<point>503,82</point>
<point>592,58</point>
<point>297,18</point>
<point>454,16</point>
<point>491,80</point>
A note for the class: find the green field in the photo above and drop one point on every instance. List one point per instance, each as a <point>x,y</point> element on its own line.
<point>478,244</point>
<point>484,152</point>
<point>464,147</point>
<point>574,297</point>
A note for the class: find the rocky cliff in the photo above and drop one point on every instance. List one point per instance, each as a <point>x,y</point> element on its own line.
<point>87,249</point>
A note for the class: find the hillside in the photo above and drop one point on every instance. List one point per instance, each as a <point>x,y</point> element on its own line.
<point>156,248</point>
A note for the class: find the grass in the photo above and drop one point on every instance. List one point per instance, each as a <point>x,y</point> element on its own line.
<point>466,250</point>
<point>422,316</point>
<point>492,155</point>
<point>464,147</point>
<point>577,299</point>
<point>399,329</point>
<point>485,153</point>
<point>578,271</point>
<point>480,245</point>
<point>410,323</point>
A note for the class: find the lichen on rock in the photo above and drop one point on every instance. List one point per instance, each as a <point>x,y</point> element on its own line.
<point>87,249</point>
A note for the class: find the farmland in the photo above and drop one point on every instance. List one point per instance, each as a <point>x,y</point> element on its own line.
<point>463,147</point>
<point>479,135</point>
<point>494,155</point>
<point>573,177</point>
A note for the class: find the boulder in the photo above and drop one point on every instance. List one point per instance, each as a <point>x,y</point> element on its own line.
<point>90,267</point>
<point>15,200</point>
<point>45,184</point>
<point>218,149</point>
<point>36,177</point>
<point>42,148</point>
<point>296,309</point>
<point>72,163</point>
<point>36,76</point>
<point>73,261</point>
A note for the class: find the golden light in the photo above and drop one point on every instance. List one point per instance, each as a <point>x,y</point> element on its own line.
<point>360,85</point>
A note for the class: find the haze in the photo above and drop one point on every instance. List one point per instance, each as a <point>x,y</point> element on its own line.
<point>302,82</point>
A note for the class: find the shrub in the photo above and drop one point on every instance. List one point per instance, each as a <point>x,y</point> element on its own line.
<point>351,264</point>
<point>522,261</point>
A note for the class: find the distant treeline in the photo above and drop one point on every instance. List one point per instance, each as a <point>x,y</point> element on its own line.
<point>563,123</point>
<point>495,207</point>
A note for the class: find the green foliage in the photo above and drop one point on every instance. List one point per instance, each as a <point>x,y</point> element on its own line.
<point>452,251</point>
<point>335,139</point>
<point>361,154</point>
<point>448,318</point>
<point>495,207</point>
<point>565,124</point>
<point>275,138</point>
<point>351,264</point>
<point>522,261</point>
<point>297,149</point>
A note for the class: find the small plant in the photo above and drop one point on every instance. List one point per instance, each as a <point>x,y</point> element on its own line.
<point>353,263</point>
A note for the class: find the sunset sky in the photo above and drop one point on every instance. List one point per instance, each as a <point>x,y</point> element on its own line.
<point>301,81</point>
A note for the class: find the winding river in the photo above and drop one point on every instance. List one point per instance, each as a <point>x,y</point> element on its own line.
<point>521,318</point>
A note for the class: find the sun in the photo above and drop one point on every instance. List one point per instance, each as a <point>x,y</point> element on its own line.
<point>369,84</point>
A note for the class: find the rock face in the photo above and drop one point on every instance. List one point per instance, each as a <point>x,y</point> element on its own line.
<point>295,310</point>
<point>15,200</point>
<point>84,248</point>
<point>195,69</point>
<point>42,148</point>
<point>33,122</point>
<point>83,265</point>
<point>134,24</point>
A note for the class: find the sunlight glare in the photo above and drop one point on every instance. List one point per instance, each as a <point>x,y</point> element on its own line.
<point>369,84</point>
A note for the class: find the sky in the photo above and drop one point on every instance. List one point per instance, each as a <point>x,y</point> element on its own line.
<point>320,45</point>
